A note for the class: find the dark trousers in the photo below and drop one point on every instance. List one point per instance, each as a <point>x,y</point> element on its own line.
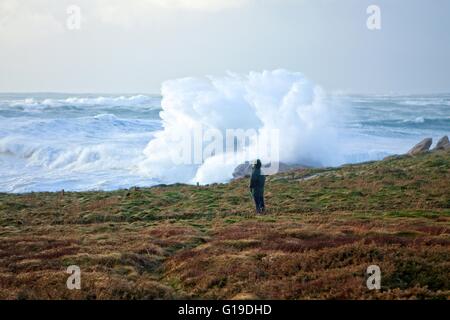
<point>259,202</point>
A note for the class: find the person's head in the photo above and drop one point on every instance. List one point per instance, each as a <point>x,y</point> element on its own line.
<point>257,164</point>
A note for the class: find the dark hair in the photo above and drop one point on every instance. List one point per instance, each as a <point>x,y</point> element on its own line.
<point>258,164</point>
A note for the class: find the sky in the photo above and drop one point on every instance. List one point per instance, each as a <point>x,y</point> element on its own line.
<point>133,46</point>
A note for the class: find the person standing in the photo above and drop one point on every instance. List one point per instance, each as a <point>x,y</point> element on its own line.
<point>257,181</point>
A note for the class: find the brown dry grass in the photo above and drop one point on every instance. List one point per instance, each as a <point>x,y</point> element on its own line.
<point>182,241</point>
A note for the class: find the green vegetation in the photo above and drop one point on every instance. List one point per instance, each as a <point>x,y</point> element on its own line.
<point>316,240</point>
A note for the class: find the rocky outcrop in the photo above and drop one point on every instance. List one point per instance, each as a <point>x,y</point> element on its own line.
<point>443,144</point>
<point>245,169</point>
<point>242,170</point>
<point>422,146</point>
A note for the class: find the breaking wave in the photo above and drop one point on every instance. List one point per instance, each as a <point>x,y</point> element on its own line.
<point>277,100</point>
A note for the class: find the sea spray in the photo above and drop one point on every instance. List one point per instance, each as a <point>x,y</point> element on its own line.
<point>270,102</point>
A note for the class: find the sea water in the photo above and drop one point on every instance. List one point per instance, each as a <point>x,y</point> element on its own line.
<point>54,141</point>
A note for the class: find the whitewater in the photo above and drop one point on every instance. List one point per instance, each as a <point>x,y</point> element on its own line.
<point>79,142</point>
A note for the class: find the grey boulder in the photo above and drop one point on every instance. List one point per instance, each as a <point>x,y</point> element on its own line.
<point>422,146</point>
<point>443,144</point>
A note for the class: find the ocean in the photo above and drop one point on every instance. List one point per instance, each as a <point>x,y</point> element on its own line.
<point>79,142</point>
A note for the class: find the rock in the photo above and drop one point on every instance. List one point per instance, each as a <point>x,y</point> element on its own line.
<point>242,170</point>
<point>245,169</point>
<point>422,146</point>
<point>443,144</point>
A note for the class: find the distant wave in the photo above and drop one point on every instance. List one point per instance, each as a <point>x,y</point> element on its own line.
<point>426,102</point>
<point>399,100</point>
<point>416,120</point>
<point>120,101</point>
<point>440,124</point>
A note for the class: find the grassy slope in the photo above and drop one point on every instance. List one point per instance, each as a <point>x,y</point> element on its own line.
<point>316,241</point>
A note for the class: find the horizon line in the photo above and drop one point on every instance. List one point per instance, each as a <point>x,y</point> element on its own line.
<point>331,92</point>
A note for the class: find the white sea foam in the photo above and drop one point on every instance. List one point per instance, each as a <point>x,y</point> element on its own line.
<point>122,101</point>
<point>81,153</point>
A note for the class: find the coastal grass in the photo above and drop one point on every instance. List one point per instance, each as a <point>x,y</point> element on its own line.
<point>322,229</point>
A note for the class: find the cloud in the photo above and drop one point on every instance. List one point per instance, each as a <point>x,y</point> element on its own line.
<point>132,12</point>
<point>22,21</point>
<point>200,4</point>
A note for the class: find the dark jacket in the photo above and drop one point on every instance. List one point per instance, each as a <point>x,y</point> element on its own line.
<point>257,181</point>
